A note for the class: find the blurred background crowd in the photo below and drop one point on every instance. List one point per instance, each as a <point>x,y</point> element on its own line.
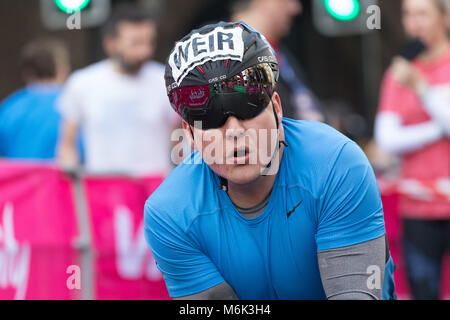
<point>88,90</point>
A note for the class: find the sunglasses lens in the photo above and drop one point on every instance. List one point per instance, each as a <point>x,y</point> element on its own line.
<point>196,97</point>
<point>245,95</point>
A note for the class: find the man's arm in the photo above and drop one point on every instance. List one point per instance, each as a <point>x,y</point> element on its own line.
<point>188,272</point>
<point>222,291</point>
<point>346,272</point>
<point>67,149</point>
<point>350,217</point>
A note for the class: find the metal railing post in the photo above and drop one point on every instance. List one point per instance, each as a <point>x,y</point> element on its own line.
<point>84,241</point>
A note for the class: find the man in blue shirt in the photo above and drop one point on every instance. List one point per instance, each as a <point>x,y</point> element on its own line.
<point>29,121</point>
<point>266,207</point>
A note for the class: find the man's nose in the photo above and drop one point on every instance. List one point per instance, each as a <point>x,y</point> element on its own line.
<point>233,126</point>
<point>142,50</point>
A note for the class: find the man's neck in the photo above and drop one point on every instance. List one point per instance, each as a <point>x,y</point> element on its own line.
<point>117,67</point>
<point>46,82</point>
<point>251,194</point>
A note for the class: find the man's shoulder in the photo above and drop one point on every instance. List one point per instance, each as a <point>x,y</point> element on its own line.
<point>154,72</point>
<point>313,148</point>
<point>154,67</point>
<point>93,72</point>
<point>13,98</point>
<point>312,138</point>
<point>188,191</point>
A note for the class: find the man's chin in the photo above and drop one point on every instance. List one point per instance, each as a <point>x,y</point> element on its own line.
<point>132,68</point>
<point>244,174</point>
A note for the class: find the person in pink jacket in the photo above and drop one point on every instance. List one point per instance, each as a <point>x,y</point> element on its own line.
<point>413,122</point>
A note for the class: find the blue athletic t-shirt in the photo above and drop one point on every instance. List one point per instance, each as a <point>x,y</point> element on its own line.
<point>30,123</point>
<point>199,239</point>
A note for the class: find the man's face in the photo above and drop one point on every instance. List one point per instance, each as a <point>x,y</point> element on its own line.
<point>422,19</point>
<point>281,14</point>
<point>133,45</point>
<point>240,149</point>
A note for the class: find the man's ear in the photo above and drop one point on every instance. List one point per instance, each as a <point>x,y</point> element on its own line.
<point>109,44</point>
<point>188,133</point>
<point>276,100</point>
<point>447,20</point>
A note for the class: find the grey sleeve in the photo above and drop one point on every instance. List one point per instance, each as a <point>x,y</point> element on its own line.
<point>355,272</point>
<point>222,291</point>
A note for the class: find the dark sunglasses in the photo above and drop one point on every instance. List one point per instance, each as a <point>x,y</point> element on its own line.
<point>245,96</point>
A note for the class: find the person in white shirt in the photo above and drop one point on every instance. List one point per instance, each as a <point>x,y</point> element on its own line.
<point>119,104</point>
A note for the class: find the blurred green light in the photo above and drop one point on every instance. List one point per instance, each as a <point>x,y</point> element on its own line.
<point>71,6</point>
<point>344,10</point>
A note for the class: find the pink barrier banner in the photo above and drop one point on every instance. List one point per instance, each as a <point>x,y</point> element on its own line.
<point>40,225</point>
<point>124,267</point>
<point>37,229</point>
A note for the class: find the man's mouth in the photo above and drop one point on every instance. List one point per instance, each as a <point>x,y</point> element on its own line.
<point>240,155</point>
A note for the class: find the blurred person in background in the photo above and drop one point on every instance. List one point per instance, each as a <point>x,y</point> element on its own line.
<point>344,119</point>
<point>120,103</point>
<point>29,120</point>
<point>414,122</point>
<point>273,18</point>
